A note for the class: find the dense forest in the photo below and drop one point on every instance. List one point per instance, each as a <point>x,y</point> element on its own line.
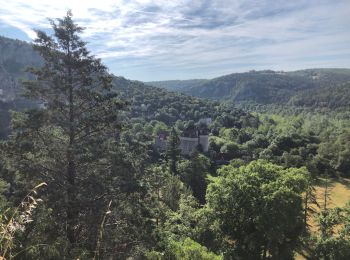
<point>82,178</point>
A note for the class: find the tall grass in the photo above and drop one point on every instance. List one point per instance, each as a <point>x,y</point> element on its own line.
<point>14,220</point>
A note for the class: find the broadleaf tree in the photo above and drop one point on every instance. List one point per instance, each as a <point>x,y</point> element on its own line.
<point>258,209</point>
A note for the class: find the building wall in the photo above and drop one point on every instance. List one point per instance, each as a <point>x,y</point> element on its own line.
<point>188,145</point>
<point>204,141</point>
<point>161,144</point>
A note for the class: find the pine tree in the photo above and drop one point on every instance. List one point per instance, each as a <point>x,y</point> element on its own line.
<point>173,151</point>
<point>65,142</point>
<point>310,200</point>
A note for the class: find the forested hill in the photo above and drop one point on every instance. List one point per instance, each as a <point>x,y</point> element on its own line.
<point>153,103</point>
<point>310,88</point>
<point>272,87</point>
<point>15,56</point>
<point>178,85</point>
<point>103,167</point>
<point>146,102</point>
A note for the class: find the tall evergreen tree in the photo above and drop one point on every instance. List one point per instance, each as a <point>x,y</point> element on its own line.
<point>65,142</point>
<point>173,151</point>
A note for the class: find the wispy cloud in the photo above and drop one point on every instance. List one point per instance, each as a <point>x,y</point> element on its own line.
<point>162,39</point>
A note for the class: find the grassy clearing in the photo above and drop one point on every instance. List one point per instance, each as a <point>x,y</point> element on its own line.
<point>339,195</point>
<point>339,191</point>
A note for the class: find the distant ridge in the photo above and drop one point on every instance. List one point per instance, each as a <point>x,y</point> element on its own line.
<point>178,85</point>
<point>309,87</point>
<point>324,87</point>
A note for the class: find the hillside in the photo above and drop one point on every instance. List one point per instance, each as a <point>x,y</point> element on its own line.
<point>15,56</point>
<point>178,85</point>
<point>270,87</point>
<point>324,97</point>
<point>152,103</point>
<point>306,88</point>
<point>96,166</point>
<point>146,102</point>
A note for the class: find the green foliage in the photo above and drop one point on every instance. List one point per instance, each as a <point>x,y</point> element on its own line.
<point>231,150</point>
<point>184,222</point>
<point>336,97</point>
<point>151,103</point>
<point>173,151</point>
<point>112,195</point>
<point>70,144</point>
<point>258,209</point>
<point>194,172</point>
<point>333,241</point>
<point>184,250</point>
<point>14,220</point>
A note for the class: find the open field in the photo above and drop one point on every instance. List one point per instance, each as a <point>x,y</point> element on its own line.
<point>339,195</point>
<point>339,191</point>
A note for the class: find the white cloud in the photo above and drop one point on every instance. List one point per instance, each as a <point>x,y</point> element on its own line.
<point>186,36</point>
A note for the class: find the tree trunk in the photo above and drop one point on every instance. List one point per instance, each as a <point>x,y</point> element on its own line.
<point>326,194</point>
<point>72,211</point>
<point>71,197</point>
<point>305,210</point>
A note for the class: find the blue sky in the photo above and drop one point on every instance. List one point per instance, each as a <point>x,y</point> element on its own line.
<point>182,39</point>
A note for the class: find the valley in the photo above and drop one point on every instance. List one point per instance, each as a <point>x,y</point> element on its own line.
<point>252,165</point>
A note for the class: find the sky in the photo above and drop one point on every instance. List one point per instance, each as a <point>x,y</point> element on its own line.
<point>183,39</point>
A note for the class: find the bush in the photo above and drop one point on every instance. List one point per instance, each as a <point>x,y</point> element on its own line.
<point>184,250</point>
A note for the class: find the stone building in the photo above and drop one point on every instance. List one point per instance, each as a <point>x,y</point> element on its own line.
<point>194,139</point>
<point>190,140</point>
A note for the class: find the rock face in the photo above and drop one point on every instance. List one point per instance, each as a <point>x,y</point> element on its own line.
<point>15,56</point>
